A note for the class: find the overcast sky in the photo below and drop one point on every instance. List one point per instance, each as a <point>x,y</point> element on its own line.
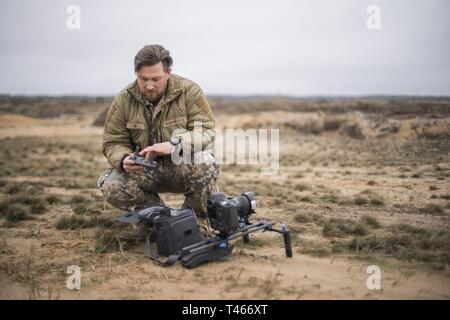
<point>229,47</point>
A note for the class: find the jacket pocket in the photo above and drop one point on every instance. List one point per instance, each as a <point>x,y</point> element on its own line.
<point>137,133</point>
<point>174,121</point>
<point>135,125</point>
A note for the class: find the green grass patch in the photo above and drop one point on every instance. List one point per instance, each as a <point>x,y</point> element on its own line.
<point>407,242</point>
<point>53,199</point>
<point>433,209</point>
<point>84,209</point>
<point>370,221</point>
<point>343,227</point>
<point>36,204</point>
<point>360,201</point>
<point>16,212</point>
<point>73,222</point>
<point>302,187</point>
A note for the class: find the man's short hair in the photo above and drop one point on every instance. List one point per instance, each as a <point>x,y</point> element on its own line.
<point>152,54</point>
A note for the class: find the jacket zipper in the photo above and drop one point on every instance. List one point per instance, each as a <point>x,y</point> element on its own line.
<point>148,125</point>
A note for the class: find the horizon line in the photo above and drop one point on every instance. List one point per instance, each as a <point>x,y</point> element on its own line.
<point>240,96</point>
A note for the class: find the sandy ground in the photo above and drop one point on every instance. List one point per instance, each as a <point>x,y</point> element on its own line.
<point>35,255</point>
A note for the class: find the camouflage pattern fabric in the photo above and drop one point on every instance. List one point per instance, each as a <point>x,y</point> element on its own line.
<point>128,191</point>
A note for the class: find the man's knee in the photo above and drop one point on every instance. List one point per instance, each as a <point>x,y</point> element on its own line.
<point>203,170</point>
<point>119,190</point>
<point>201,181</point>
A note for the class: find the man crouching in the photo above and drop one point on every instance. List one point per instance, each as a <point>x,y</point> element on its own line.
<point>160,113</point>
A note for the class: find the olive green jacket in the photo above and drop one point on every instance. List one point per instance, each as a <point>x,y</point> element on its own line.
<point>183,111</point>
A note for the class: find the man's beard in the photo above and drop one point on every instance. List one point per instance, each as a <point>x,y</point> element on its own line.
<point>153,97</point>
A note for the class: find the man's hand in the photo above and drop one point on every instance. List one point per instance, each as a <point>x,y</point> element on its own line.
<point>158,149</point>
<point>130,167</point>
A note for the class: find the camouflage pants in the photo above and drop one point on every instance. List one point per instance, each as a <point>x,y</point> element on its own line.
<point>128,191</point>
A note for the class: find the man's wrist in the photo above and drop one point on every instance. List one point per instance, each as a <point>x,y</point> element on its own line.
<point>121,162</point>
<point>176,143</point>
